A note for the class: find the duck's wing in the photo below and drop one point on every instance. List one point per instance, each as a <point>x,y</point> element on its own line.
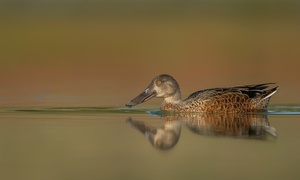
<point>261,91</point>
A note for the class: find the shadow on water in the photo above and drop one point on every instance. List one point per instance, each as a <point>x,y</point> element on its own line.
<point>247,126</point>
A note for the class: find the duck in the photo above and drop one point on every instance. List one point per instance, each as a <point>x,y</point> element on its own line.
<point>235,99</point>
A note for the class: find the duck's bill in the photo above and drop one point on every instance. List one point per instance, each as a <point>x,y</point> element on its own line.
<point>143,97</point>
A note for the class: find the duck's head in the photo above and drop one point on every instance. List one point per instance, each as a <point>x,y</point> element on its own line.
<point>162,86</point>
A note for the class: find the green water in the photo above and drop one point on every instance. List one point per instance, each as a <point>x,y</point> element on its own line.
<point>104,143</point>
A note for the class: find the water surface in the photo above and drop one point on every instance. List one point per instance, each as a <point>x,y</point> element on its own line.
<point>116,143</point>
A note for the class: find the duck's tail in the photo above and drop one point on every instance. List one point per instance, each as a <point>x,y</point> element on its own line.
<point>268,93</point>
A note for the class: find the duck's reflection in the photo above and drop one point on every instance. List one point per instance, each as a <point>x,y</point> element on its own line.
<point>234,125</point>
<point>254,126</point>
<point>163,138</point>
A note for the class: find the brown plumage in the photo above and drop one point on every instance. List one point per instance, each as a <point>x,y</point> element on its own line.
<point>248,98</point>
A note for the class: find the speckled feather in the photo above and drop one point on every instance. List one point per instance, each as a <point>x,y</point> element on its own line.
<point>234,99</point>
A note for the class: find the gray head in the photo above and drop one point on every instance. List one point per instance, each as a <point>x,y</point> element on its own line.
<point>162,86</point>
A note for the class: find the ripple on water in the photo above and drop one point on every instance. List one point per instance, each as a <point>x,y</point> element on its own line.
<point>152,110</point>
<point>284,110</point>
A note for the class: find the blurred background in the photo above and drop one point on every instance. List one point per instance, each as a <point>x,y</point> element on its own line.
<point>105,52</point>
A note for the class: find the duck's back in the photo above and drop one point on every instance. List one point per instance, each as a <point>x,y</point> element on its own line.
<point>248,98</point>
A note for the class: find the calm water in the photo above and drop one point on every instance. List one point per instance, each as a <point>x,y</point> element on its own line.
<point>121,143</point>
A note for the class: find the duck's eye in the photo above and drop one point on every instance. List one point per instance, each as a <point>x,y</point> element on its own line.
<point>158,82</point>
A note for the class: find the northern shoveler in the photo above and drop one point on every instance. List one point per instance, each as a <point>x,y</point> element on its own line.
<point>247,98</point>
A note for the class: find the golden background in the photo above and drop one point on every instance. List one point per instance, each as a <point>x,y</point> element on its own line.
<point>103,53</point>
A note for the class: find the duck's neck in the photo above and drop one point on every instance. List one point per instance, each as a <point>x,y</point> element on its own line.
<point>171,103</point>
